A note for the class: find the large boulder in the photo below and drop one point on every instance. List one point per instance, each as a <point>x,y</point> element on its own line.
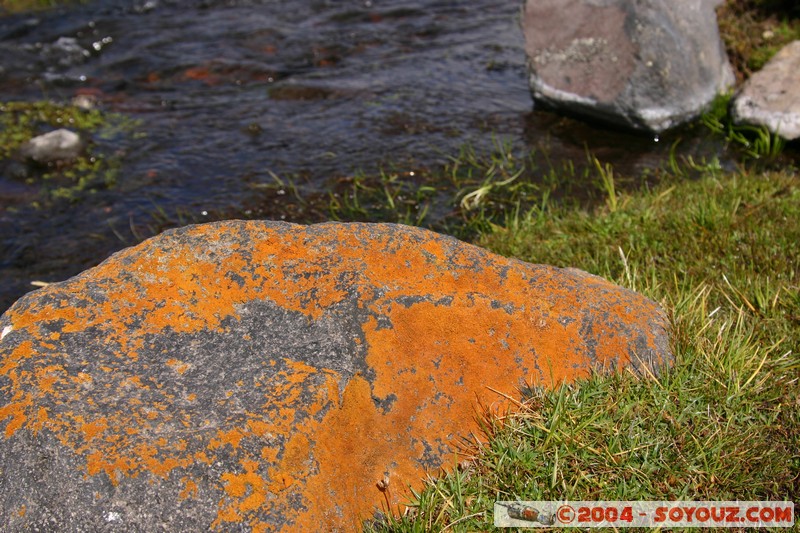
<point>266,376</point>
<point>645,64</point>
<point>771,97</point>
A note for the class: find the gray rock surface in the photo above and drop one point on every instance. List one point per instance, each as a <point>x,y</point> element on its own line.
<point>647,64</point>
<point>259,376</point>
<point>58,145</point>
<point>771,97</point>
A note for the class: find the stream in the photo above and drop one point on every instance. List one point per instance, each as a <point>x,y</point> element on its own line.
<point>228,95</point>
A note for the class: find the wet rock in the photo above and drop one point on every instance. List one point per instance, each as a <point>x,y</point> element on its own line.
<point>771,97</point>
<point>648,64</point>
<point>267,376</point>
<point>58,145</point>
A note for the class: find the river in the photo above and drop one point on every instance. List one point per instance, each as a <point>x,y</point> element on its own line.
<point>229,94</point>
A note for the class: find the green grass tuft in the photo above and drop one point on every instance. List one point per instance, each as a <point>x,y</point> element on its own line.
<point>752,142</point>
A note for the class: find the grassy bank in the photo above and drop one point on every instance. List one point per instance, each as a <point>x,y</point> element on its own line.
<point>720,253</point>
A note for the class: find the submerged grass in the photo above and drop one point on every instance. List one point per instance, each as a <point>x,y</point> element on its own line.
<point>468,195</point>
<point>720,253</point>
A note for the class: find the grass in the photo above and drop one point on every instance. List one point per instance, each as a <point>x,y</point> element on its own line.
<point>469,194</point>
<point>720,253</point>
<point>752,142</point>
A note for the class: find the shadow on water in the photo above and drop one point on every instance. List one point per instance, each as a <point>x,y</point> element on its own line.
<point>229,95</point>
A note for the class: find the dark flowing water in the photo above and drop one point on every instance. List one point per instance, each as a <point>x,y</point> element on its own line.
<point>229,93</point>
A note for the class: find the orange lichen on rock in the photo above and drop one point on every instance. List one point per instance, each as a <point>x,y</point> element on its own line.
<point>14,411</point>
<point>94,429</point>
<point>273,376</point>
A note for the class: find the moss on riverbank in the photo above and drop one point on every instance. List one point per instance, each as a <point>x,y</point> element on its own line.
<point>754,31</point>
<point>95,168</point>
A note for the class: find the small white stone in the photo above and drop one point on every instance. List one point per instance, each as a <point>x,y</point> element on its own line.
<point>87,102</point>
<point>57,145</point>
<point>6,331</point>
